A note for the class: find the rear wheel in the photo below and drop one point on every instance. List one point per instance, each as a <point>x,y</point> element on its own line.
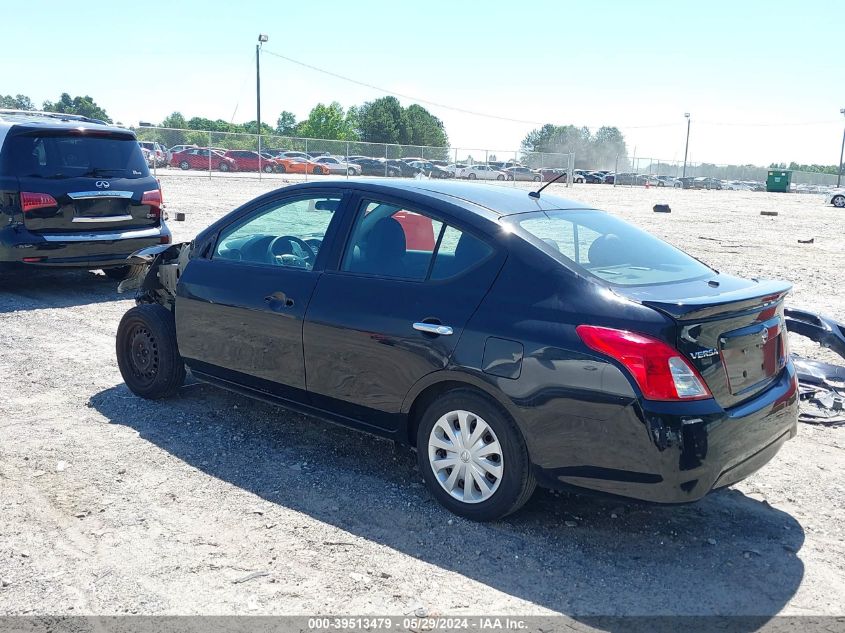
<point>268,169</point>
<point>350,172</point>
<point>472,176</point>
<point>317,170</point>
<point>472,457</point>
<point>282,169</point>
<point>839,202</point>
<point>537,178</point>
<point>147,353</point>
<point>224,166</point>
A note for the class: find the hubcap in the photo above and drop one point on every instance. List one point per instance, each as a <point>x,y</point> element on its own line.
<point>465,456</point>
<point>143,351</point>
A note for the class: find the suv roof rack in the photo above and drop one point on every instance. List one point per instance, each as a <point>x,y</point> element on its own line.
<point>62,116</point>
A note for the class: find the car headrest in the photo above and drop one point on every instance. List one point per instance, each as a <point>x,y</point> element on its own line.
<point>607,250</point>
<point>386,240</point>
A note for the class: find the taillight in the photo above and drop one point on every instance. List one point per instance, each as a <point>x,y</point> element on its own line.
<point>154,200</point>
<point>32,201</point>
<point>659,370</point>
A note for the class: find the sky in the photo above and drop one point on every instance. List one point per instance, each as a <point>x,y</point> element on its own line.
<point>762,80</point>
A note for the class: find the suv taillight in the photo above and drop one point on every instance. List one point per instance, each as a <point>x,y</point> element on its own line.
<point>659,370</point>
<point>32,201</point>
<point>154,200</point>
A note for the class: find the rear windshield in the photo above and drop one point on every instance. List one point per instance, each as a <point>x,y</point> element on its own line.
<point>610,249</point>
<point>73,155</point>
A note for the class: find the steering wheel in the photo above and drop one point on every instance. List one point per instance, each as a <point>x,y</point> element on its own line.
<point>287,258</point>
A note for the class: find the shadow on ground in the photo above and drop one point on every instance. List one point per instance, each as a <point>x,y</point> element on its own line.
<point>582,556</point>
<point>39,289</point>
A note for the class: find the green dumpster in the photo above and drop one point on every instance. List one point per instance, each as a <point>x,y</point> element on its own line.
<point>778,180</point>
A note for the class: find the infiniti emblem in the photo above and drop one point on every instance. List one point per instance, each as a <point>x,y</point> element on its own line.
<point>102,184</point>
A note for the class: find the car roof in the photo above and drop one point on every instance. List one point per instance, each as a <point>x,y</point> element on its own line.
<point>500,200</point>
<point>35,120</point>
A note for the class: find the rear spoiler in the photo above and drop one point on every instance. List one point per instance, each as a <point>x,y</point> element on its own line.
<point>762,294</point>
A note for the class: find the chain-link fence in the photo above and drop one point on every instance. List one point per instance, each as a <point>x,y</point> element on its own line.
<point>195,152</point>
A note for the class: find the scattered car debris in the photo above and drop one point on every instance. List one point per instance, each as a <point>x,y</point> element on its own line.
<point>810,241</point>
<point>773,213</point>
<point>821,386</point>
<point>252,576</point>
<point>662,208</point>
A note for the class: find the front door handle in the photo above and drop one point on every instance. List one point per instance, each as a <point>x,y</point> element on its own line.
<point>279,297</point>
<point>433,328</point>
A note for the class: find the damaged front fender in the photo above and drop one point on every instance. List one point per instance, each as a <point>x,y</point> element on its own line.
<point>155,273</point>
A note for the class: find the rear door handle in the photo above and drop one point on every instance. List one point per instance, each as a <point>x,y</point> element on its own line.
<point>433,328</point>
<point>279,297</point>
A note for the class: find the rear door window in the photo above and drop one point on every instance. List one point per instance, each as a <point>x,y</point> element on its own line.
<point>73,155</point>
<point>392,242</point>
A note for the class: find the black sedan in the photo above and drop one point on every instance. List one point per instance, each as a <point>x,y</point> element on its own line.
<point>376,167</point>
<point>512,339</point>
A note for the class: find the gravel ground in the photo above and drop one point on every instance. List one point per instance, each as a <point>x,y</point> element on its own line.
<point>211,503</point>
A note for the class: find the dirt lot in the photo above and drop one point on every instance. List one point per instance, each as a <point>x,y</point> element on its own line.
<point>211,503</point>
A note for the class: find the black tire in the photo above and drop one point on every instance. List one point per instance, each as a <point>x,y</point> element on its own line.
<point>147,353</point>
<point>121,272</point>
<point>268,169</point>
<point>472,176</point>
<point>224,166</point>
<point>537,178</point>
<point>282,169</point>
<point>317,171</point>
<point>350,172</point>
<point>500,177</point>
<point>660,183</point>
<point>517,483</point>
<point>838,202</point>
<point>184,165</point>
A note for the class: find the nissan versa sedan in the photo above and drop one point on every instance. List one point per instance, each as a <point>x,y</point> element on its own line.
<point>513,339</point>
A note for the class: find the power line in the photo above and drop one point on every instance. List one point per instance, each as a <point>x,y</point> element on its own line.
<point>429,102</point>
<point>513,120</point>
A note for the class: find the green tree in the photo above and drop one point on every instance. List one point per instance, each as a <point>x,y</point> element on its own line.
<point>424,128</point>
<point>328,122</point>
<point>175,120</point>
<point>83,106</point>
<point>286,124</point>
<point>382,121</point>
<point>17,102</point>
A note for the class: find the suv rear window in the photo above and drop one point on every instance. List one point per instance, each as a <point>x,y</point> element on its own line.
<point>71,154</point>
<point>610,249</point>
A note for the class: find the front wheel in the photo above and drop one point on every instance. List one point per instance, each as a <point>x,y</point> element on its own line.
<point>839,202</point>
<point>184,165</point>
<point>224,166</point>
<point>537,178</point>
<point>316,170</point>
<point>268,169</point>
<point>147,353</point>
<point>473,458</point>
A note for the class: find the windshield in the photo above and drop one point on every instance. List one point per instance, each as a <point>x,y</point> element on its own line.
<point>73,155</point>
<point>610,249</point>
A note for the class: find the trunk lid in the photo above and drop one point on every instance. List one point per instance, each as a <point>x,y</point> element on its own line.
<point>732,330</point>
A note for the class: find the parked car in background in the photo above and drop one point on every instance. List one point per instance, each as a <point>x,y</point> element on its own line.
<point>401,168</point>
<point>686,182</point>
<point>430,169</point>
<point>549,173</point>
<point>148,156</point>
<point>202,158</point>
<point>579,176</point>
<point>704,182</point>
<point>521,173</point>
<point>663,181</point>
<point>594,178</point>
<point>376,167</point>
<point>454,168</point>
<point>738,185</point>
<point>74,193</point>
<point>248,160</point>
<point>836,198</point>
<point>178,148</point>
<point>481,172</point>
<point>302,155</point>
<point>401,308</point>
<point>337,166</point>
<point>158,152</point>
<point>300,166</point>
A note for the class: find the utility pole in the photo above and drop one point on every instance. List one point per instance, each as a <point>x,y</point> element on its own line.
<point>262,37</point>
<point>686,147</point>
<point>841,156</point>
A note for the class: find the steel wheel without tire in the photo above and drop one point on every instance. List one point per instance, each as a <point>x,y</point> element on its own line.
<point>147,353</point>
<point>472,457</point>
<point>839,202</point>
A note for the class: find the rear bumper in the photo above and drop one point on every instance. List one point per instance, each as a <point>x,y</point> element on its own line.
<point>679,452</point>
<point>101,249</point>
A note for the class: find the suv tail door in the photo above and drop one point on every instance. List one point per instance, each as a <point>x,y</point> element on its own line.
<point>81,180</point>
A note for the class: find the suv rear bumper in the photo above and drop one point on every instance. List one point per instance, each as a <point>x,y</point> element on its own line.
<point>100,249</point>
<point>672,453</point>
